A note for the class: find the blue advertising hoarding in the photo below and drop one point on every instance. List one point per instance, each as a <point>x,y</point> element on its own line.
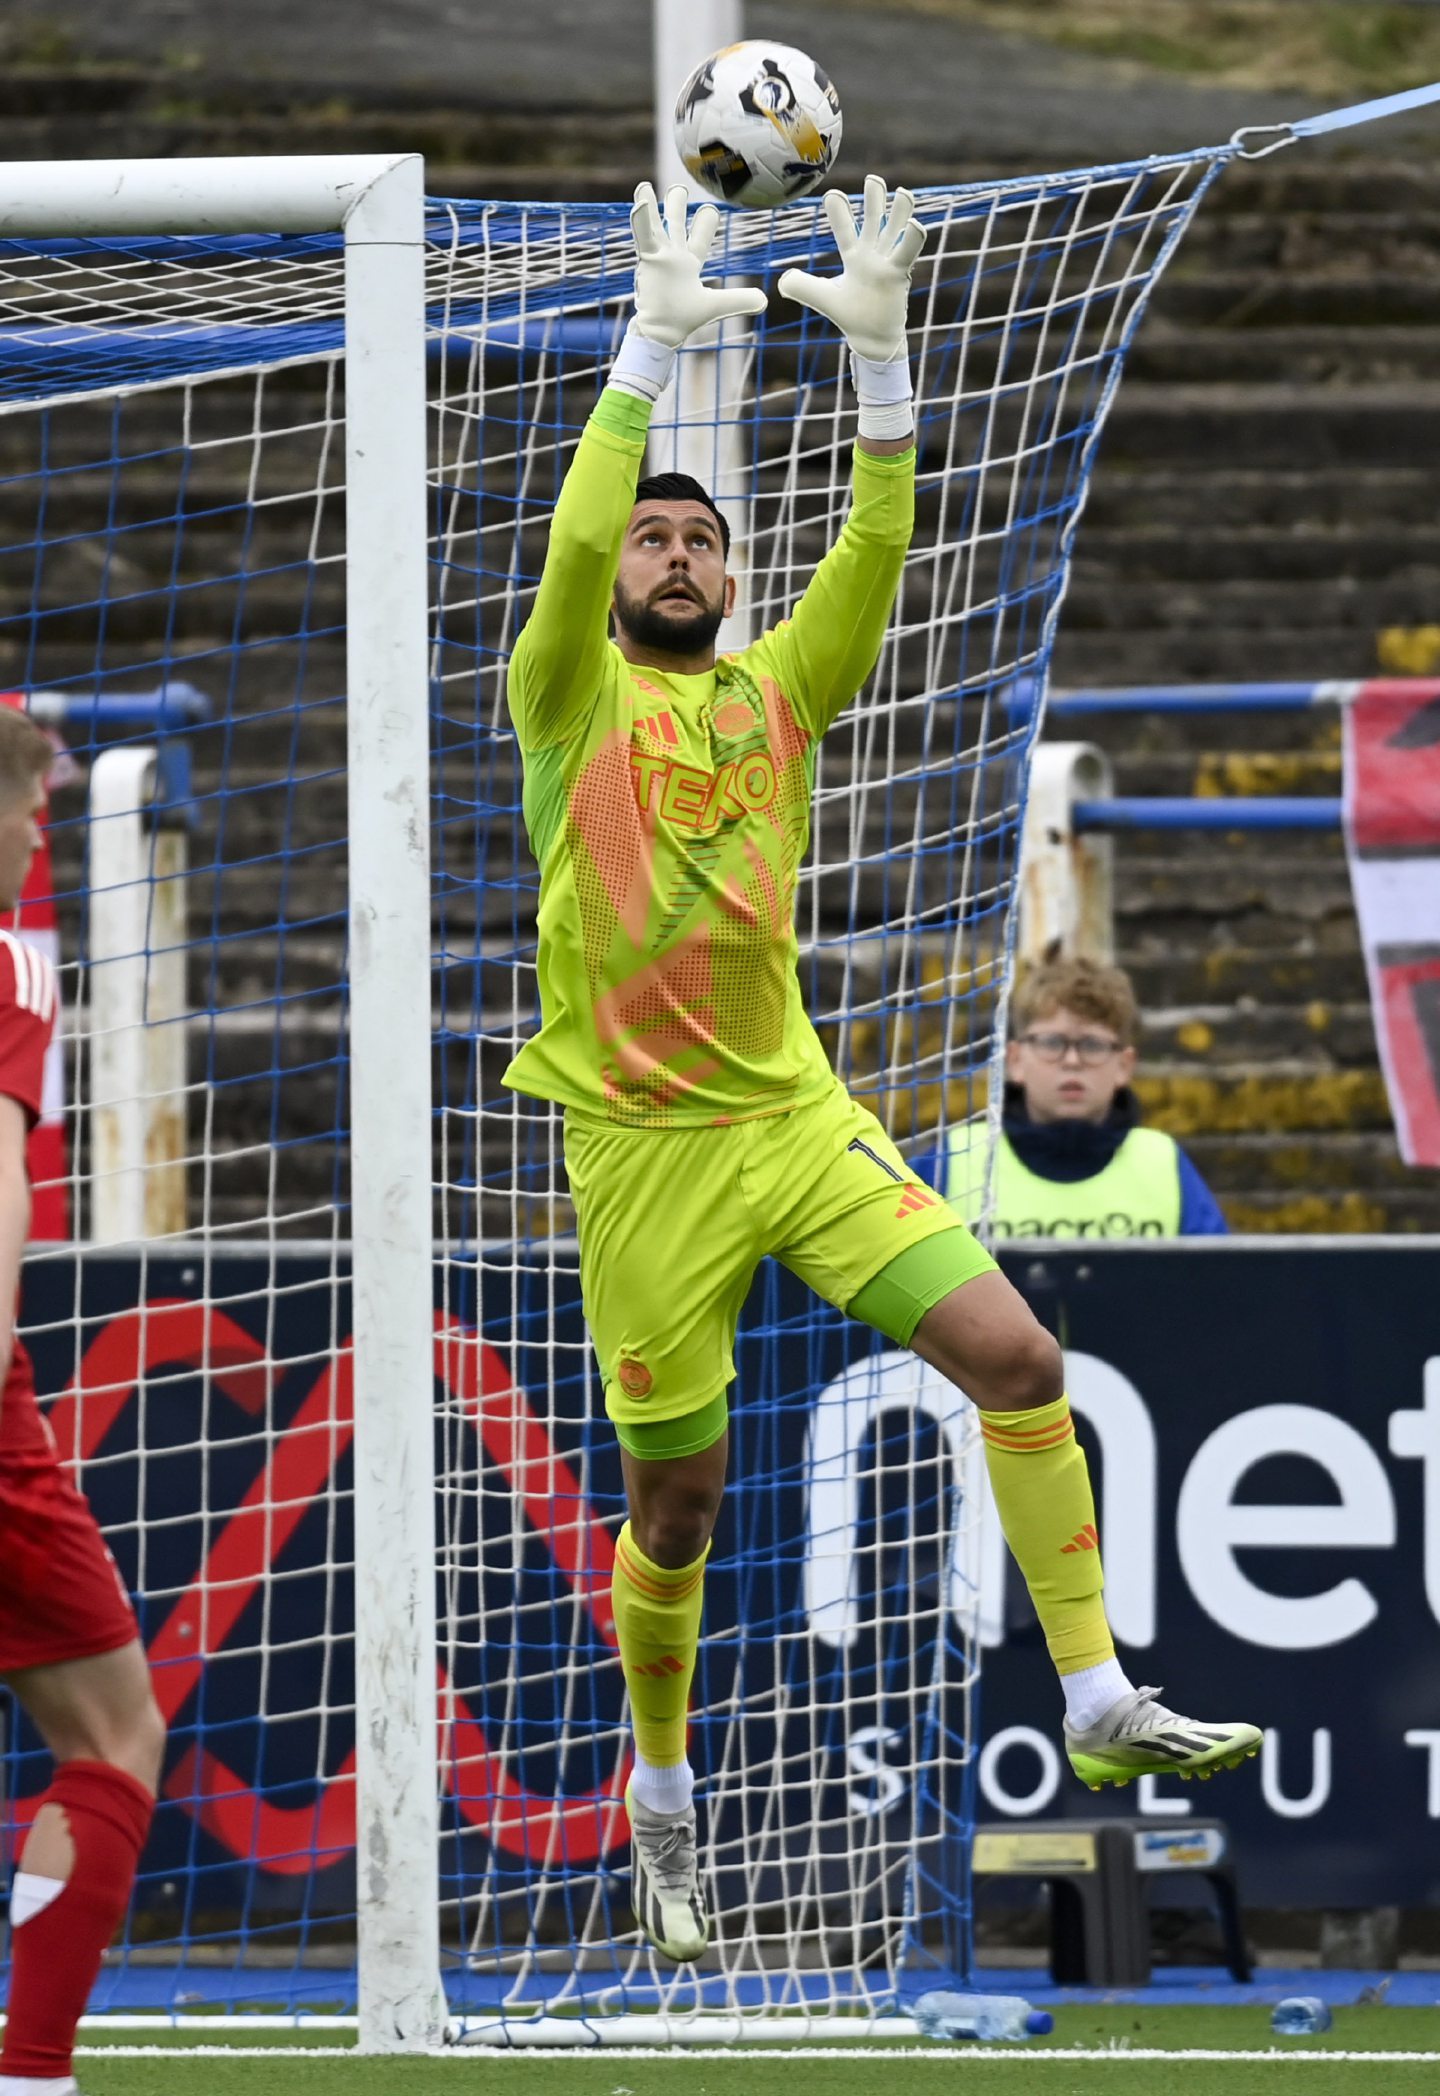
<point>1264,1428</point>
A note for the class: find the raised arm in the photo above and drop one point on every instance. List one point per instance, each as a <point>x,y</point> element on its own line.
<point>555,669</point>
<point>554,672</point>
<point>831,642</point>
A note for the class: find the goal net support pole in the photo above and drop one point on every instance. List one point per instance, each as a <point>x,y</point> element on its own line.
<point>377,201</point>
<point>699,426</point>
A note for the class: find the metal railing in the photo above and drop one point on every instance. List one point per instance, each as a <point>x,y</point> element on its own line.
<point>1071,813</point>
<point>135,1002</point>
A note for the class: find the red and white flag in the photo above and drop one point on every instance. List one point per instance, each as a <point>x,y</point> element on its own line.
<point>1392,835</point>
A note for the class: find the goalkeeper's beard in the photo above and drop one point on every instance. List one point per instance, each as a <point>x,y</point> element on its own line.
<point>646,626</point>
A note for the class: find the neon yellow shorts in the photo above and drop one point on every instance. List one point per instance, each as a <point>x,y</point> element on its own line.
<point>673,1224</point>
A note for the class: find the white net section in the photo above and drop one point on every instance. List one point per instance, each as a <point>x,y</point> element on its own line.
<point>172,577</point>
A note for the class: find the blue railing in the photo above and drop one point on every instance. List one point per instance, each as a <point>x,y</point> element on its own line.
<point>1166,812</point>
<point>171,705</point>
<point>1187,698</point>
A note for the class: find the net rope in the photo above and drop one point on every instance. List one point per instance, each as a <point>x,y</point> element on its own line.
<point>171,444</point>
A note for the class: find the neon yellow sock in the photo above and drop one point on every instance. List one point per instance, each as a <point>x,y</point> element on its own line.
<point>1042,1490</point>
<point>657,1623</point>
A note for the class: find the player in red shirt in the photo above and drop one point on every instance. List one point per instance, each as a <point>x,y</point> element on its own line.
<point>70,1648</point>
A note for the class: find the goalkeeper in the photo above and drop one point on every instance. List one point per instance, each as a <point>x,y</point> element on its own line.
<point>667,801</point>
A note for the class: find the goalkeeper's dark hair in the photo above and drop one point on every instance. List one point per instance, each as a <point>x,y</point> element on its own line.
<point>681,487</point>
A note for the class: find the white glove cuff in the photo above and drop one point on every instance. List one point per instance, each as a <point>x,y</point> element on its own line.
<point>642,367</point>
<point>885,395</point>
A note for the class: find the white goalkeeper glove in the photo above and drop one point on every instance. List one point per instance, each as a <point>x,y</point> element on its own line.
<point>868,301</point>
<point>671,302</point>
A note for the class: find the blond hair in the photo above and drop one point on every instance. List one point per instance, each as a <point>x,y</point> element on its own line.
<point>1093,990</point>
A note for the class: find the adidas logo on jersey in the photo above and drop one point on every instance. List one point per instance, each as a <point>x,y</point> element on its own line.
<point>660,727</point>
<point>35,986</point>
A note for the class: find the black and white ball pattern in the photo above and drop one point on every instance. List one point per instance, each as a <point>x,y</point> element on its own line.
<point>758,124</point>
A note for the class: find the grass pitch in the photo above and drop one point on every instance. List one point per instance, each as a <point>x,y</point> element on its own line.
<point>1120,2051</point>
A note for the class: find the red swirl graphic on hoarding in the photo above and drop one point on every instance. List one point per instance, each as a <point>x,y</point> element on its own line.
<point>300,1466</point>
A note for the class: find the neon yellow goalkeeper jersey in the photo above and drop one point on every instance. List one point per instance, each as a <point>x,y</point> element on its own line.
<point>670,814</point>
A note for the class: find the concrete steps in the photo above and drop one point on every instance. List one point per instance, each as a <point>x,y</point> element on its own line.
<point>1264,506</point>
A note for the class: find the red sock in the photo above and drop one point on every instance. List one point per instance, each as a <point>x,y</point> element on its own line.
<point>55,1955</point>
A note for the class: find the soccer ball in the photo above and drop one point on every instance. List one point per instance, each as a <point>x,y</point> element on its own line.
<point>758,124</point>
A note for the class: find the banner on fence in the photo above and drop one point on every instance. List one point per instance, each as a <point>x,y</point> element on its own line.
<point>1392,836</point>
<point>1264,1428</point>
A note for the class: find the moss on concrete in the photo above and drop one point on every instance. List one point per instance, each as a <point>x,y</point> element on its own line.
<point>1349,1214</point>
<point>1268,1102</point>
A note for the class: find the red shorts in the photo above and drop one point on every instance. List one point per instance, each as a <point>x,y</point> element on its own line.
<point>61,1594</point>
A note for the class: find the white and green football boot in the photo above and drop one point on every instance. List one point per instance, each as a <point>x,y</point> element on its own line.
<point>1138,1736</point>
<point>665,1880</point>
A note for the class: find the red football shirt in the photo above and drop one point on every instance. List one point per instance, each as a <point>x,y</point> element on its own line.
<point>28,1004</point>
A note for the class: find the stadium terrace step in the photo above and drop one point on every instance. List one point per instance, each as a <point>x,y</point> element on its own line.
<point>1151,494</point>
<point>1234,298</point>
<point>1213,774</point>
<point>1245,605</point>
<point>1298,1165</point>
<point>1273,1098</point>
<point>1219,654</point>
<point>1256,746</point>
<point>1318,1036</point>
<point>1337,243</point>
<point>1289,184</point>
<point>1226,554</point>
<point>1208,974</point>
<point>1372,1212</point>
<point>1330,356</point>
<point>1291,427</point>
<point>1282,889</point>
<point>119,112</point>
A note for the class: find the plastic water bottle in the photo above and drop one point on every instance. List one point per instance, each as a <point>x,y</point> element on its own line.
<point>986,2016</point>
<point>1301,2016</point>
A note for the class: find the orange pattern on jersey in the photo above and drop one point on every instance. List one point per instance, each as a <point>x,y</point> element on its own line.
<point>664,1010</point>
<point>618,839</point>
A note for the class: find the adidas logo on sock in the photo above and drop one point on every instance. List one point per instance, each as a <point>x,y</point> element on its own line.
<point>1086,1539</point>
<point>661,1667</point>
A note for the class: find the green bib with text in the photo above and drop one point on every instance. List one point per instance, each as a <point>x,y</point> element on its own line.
<point>1137,1194</point>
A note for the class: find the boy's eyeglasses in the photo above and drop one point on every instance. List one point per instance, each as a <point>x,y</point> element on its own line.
<point>1092,1048</point>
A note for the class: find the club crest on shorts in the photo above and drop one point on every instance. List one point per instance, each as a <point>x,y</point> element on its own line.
<point>634,1377</point>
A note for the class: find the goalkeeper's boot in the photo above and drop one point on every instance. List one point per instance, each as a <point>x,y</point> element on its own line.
<point>665,1880</point>
<point>1138,1736</point>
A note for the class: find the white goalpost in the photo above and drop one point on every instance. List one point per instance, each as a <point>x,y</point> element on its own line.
<point>377,204</point>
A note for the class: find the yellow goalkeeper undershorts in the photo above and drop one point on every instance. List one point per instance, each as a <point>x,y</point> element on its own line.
<point>673,1224</point>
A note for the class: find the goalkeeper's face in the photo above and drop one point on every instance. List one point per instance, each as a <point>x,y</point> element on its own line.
<point>672,592</point>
